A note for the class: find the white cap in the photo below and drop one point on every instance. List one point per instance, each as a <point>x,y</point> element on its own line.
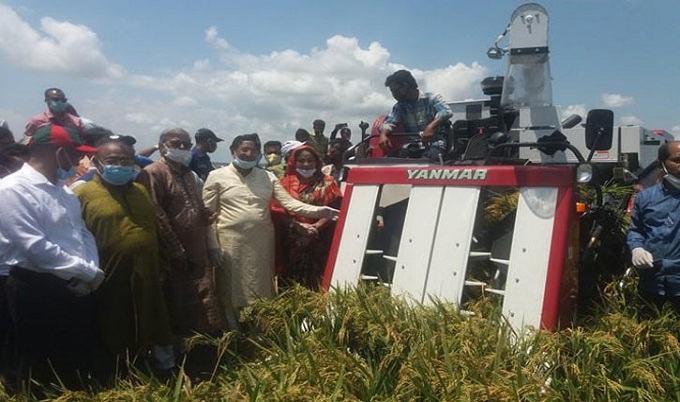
<point>289,146</point>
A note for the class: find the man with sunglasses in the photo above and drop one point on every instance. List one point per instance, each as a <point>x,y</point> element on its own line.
<point>206,143</point>
<point>183,222</point>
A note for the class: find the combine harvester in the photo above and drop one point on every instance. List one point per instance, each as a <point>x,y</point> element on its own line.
<point>422,230</point>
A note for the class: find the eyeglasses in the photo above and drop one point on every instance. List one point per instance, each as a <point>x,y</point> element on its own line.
<point>178,144</point>
<point>117,161</point>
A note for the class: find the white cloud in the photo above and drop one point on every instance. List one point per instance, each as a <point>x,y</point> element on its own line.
<point>579,109</point>
<point>185,101</point>
<point>229,90</point>
<point>630,121</point>
<point>675,130</point>
<point>60,47</point>
<point>617,100</point>
<point>454,82</point>
<point>276,93</point>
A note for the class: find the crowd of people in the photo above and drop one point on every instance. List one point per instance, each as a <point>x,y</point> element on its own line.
<point>107,255</point>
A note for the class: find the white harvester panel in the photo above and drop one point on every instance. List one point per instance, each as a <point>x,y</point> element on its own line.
<point>355,235</point>
<point>529,256</point>
<point>446,274</point>
<point>431,245</point>
<point>415,248</point>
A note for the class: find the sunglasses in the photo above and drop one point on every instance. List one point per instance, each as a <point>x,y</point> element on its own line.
<point>178,144</point>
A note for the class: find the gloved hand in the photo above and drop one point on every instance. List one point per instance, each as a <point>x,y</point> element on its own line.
<point>642,258</point>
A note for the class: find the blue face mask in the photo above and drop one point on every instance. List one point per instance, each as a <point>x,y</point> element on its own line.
<point>63,174</point>
<point>118,175</point>
<point>57,106</point>
<point>245,165</point>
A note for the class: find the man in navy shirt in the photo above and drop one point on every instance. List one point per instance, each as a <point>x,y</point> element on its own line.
<point>654,233</point>
<point>206,143</point>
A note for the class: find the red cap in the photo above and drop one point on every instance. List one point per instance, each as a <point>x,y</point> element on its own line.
<point>61,136</point>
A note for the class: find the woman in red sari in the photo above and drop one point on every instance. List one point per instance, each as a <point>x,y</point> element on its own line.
<point>302,249</point>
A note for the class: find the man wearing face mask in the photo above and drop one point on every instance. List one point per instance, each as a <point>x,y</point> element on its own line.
<point>183,227</point>
<point>241,194</point>
<point>132,313</point>
<point>272,152</point>
<point>206,143</point>
<point>56,113</point>
<point>420,113</point>
<point>54,263</point>
<point>654,233</point>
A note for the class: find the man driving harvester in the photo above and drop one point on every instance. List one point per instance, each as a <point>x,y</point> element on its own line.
<point>419,113</point>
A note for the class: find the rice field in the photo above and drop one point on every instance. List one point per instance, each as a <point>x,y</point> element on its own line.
<point>364,345</point>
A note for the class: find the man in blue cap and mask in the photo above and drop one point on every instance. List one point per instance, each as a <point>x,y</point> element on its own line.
<point>206,143</point>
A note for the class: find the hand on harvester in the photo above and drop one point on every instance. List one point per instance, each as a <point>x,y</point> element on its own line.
<point>329,213</point>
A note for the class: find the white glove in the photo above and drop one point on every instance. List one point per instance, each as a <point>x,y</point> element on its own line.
<point>329,213</point>
<point>642,258</point>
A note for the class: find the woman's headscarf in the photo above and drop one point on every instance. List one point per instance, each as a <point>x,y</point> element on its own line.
<point>292,158</point>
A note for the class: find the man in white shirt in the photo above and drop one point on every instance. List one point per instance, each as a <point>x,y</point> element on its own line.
<point>54,263</point>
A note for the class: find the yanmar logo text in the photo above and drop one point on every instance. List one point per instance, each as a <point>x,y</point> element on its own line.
<point>447,174</point>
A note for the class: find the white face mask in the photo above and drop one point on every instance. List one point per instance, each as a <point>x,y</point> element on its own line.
<point>182,156</point>
<point>245,165</point>
<point>306,173</point>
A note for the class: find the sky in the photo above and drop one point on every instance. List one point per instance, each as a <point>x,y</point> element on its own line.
<point>271,67</point>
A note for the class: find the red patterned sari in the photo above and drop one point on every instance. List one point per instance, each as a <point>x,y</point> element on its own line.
<point>301,256</point>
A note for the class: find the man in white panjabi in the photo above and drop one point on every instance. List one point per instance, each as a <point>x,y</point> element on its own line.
<point>241,194</point>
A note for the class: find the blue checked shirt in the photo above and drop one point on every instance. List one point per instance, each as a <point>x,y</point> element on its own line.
<point>416,115</point>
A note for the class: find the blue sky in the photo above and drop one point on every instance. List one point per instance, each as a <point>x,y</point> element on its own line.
<point>270,67</point>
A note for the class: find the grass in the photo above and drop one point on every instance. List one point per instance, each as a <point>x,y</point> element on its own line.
<point>364,345</point>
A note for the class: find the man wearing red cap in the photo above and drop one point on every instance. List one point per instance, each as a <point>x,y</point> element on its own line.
<point>54,262</point>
